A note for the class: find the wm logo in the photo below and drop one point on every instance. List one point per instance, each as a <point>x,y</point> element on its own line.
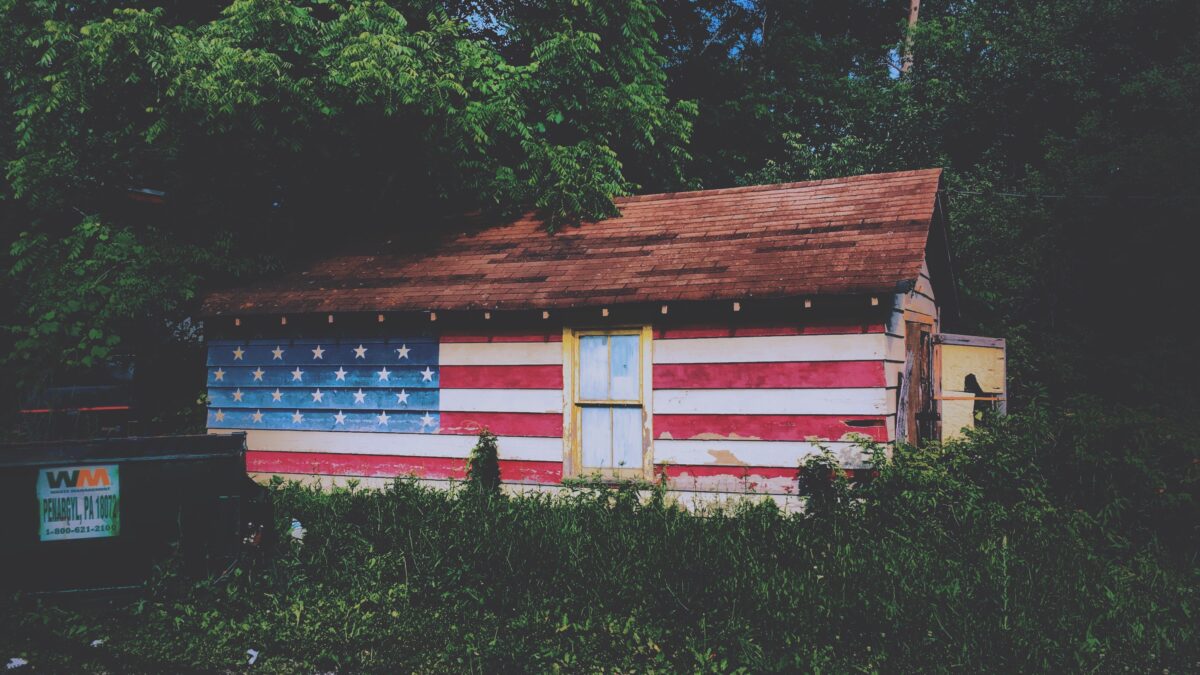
<point>78,478</point>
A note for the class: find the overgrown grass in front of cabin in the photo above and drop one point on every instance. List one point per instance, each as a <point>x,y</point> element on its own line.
<point>958,558</point>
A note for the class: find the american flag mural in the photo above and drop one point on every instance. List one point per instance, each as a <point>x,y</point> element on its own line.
<point>733,408</point>
<point>394,406</point>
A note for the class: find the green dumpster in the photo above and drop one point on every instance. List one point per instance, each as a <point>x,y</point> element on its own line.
<point>92,515</point>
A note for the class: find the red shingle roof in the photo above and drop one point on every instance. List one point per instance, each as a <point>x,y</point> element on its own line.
<point>862,234</point>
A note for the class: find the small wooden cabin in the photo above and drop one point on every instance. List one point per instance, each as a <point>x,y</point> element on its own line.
<point>715,337</point>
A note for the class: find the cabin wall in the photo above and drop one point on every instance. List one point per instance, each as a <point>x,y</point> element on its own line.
<point>735,408</point>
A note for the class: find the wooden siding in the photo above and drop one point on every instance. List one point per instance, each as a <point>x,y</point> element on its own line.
<point>740,410</point>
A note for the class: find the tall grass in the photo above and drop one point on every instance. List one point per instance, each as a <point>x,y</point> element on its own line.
<point>956,558</point>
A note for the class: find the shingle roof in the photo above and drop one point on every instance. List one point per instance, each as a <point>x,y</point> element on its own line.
<point>862,234</point>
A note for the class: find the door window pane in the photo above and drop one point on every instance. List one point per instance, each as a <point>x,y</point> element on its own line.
<point>627,438</point>
<point>597,437</point>
<point>624,370</point>
<point>593,367</point>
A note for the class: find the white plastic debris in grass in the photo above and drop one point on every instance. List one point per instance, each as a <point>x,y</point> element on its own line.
<point>253,653</point>
<point>16,662</point>
<point>297,531</point>
<point>97,643</point>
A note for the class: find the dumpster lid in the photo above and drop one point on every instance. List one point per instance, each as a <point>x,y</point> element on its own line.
<point>125,449</point>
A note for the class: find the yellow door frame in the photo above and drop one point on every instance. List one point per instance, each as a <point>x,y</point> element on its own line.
<point>573,405</point>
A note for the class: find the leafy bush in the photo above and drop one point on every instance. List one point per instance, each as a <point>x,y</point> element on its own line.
<point>483,464</point>
<point>960,557</point>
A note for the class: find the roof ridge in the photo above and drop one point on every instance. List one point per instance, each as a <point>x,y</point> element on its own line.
<point>742,189</point>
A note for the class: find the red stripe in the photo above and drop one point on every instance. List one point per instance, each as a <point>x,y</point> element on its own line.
<point>786,375</point>
<point>502,424</point>
<point>738,479</point>
<point>502,377</point>
<point>757,331</point>
<point>679,470</point>
<point>329,464</point>
<point>501,336</point>
<point>98,408</point>
<point>768,427</point>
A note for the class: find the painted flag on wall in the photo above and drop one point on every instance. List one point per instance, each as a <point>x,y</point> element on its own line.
<point>334,385</point>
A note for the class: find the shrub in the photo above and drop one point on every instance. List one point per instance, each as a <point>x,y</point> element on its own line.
<point>483,464</point>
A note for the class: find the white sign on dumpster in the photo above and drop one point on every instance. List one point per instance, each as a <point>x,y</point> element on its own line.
<point>79,502</point>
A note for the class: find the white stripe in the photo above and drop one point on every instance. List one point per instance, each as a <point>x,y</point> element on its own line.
<point>775,348</point>
<point>891,372</point>
<point>872,401</point>
<point>500,353</point>
<point>895,348</point>
<point>502,400</point>
<point>402,445</point>
<point>753,453</point>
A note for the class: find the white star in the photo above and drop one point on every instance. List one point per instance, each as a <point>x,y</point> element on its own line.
<point>360,397</point>
<point>426,420</point>
<point>318,396</point>
<point>360,352</point>
<point>237,354</point>
<point>402,397</point>
<point>339,418</point>
<point>297,417</point>
<point>237,395</point>
<point>319,353</point>
<point>219,375</point>
<point>427,375</point>
<point>297,374</point>
<point>257,416</point>
<point>220,416</point>
<point>341,373</point>
<point>277,352</point>
<point>383,374</point>
<point>403,352</point>
<point>382,417</point>
<point>277,395</point>
<point>258,373</point>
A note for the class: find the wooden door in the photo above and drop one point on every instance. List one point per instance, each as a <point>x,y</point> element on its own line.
<point>918,405</point>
